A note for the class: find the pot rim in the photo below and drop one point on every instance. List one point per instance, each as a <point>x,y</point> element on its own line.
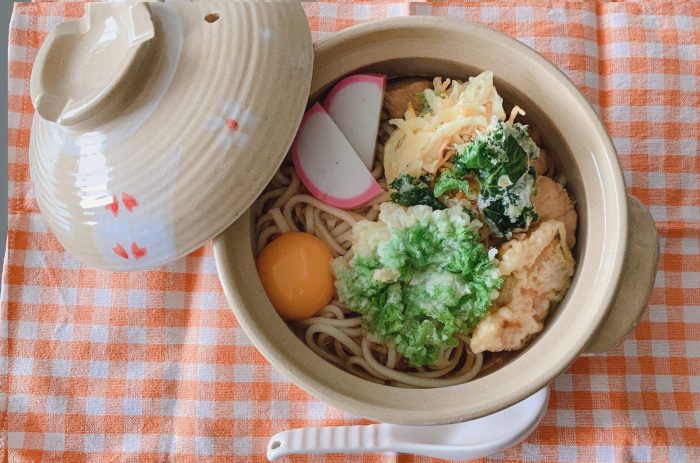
<point>396,405</point>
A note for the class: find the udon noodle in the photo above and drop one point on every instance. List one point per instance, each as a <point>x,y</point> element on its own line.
<point>336,333</point>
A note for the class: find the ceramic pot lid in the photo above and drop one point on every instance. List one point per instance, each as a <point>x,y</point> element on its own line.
<point>157,125</point>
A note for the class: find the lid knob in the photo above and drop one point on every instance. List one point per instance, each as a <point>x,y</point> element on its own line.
<point>86,68</point>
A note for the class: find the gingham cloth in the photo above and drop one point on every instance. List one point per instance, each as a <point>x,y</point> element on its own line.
<point>153,366</point>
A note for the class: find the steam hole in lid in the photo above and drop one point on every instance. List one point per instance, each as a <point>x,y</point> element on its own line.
<point>212,17</point>
<point>276,444</point>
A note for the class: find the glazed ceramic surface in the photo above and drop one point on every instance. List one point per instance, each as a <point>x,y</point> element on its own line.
<point>158,124</point>
<point>584,153</point>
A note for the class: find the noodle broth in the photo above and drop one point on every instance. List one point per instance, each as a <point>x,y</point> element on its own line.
<point>336,333</point>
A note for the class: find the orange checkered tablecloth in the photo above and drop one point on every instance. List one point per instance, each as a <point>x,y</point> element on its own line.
<point>153,365</point>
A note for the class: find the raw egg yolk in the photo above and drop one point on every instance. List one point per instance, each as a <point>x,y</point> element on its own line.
<point>295,270</point>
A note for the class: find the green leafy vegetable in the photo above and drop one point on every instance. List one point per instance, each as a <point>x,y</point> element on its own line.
<point>412,191</point>
<point>426,106</point>
<point>450,180</point>
<point>419,277</point>
<point>502,158</point>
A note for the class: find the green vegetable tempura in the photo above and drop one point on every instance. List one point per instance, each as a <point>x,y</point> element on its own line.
<point>412,191</point>
<point>419,277</point>
<point>450,180</point>
<point>502,158</point>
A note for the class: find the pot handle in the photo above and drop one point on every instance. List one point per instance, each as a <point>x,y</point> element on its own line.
<point>636,282</point>
<point>87,66</point>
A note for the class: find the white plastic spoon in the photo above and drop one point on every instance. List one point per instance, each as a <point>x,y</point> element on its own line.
<point>470,439</point>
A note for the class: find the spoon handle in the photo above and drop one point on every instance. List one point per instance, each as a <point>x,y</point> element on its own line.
<point>331,439</point>
<point>476,438</point>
